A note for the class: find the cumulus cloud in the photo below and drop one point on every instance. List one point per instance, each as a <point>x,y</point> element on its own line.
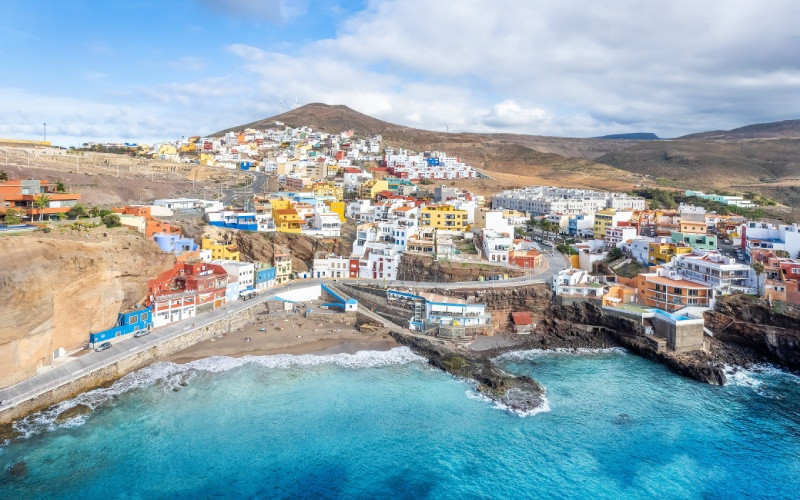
<point>556,68</point>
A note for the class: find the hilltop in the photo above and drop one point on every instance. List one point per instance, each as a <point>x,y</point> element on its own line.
<point>762,158</point>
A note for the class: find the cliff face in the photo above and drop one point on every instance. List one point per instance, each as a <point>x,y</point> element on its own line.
<point>54,290</point>
<point>771,331</point>
<point>423,268</point>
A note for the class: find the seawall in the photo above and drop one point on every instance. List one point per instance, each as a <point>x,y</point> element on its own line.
<point>108,374</point>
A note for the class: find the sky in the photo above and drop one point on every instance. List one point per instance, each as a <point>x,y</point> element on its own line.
<point>144,71</point>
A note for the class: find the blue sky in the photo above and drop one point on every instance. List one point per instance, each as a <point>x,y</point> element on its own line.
<point>150,70</point>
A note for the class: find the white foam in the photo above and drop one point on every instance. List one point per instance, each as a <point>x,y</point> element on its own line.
<point>173,375</point>
<point>542,408</point>
<point>538,353</point>
<point>759,378</point>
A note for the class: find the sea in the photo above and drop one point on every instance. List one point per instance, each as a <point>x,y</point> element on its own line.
<point>384,424</point>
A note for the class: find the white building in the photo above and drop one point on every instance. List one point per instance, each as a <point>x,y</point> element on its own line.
<point>496,245</point>
<point>331,266</point>
<point>443,310</point>
<point>575,282</point>
<point>242,272</point>
<point>718,271</point>
<point>380,261</point>
<point>327,224</point>
<point>763,235</point>
<point>616,236</point>
<point>544,200</point>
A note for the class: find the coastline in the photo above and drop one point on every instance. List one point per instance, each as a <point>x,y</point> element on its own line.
<point>291,335</point>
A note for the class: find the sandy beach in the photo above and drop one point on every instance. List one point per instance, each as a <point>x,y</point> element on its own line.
<point>288,335</point>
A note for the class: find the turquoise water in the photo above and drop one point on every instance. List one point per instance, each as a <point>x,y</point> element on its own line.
<point>385,424</point>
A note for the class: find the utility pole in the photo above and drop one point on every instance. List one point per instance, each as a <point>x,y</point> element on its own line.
<point>45,132</point>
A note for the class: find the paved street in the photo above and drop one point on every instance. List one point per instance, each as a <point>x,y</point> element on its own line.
<point>93,361</point>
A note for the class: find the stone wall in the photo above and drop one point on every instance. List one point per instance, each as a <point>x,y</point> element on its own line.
<point>121,368</point>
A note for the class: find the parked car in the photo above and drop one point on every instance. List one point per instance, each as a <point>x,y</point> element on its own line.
<point>141,333</point>
<point>103,346</point>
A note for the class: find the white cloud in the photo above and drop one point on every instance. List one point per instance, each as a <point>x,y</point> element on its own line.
<point>557,68</point>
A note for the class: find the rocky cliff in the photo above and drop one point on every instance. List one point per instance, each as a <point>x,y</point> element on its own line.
<point>424,268</point>
<point>771,331</point>
<point>56,288</point>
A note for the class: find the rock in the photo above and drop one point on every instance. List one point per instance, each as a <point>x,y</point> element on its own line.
<point>516,393</point>
<point>18,470</point>
<point>70,413</point>
<point>7,432</point>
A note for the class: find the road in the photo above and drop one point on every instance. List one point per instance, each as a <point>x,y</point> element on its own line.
<point>93,361</point>
<point>230,195</point>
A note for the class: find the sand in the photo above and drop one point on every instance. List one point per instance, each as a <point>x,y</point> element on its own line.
<point>290,335</point>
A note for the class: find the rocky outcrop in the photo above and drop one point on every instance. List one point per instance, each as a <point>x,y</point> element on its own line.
<point>73,412</point>
<point>56,288</point>
<point>517,393</point>
<point>258,247</point>
<point>771,333</point>
<point>423,268</point>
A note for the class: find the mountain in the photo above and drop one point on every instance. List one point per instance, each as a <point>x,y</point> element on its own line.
<point>635,136</point>
<point>787,129</point>
<point>761,158</point>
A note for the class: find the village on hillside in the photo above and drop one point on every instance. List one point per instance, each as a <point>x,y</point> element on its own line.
<point>661,259</point>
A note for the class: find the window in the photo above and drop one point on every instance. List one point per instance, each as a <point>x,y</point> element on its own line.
<point>131,320</point>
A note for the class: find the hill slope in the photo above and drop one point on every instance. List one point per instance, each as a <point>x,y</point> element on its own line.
<point>787,129</point>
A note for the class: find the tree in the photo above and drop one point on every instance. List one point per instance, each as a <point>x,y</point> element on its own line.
<point>13,216</point>
<point>41,202</point>
<point>614,254</point>
<point>60,187</point>
<point>112,220</point>
<point>782,254</point>
<point>519,232</point>
<point>77,211</point>
<point>758,267</point>
<point>3,176</point>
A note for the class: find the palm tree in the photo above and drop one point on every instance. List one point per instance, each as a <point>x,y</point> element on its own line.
<point>758,267</point>
<point>41,202</point>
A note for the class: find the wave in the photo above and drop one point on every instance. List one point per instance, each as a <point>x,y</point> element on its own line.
<point>173,376</point>
<point>539,353</point>
<point>760,378</point>
<point>542,408</point>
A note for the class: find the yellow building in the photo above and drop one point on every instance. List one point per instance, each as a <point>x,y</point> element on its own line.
<point>167,149</point>
<point>603,219</point>
<point>207,159</point>
<point>372,187</point>
<point>220,251</point>
<point>280,204</point>
<point>328,189</point>
<point>283,267</point>
<point>288,220</point>
<point>443,217</point>
<point>662,253</point>
<point>337,207</point>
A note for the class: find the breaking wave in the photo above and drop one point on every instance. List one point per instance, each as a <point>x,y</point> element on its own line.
<point>539,353</point>
<point>759,378</point>
<point>542,408</point>
<point>172,376</point>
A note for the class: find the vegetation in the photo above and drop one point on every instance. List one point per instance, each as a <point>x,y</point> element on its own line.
<point>662,198</point>
<point>782,254</point>
<point>60,187</point>
<point>614,254</point>
<point>77,211</point>
<point>41,202</point>
<point>111,220</point>
<point>13,216</point>
<point>3,176</point>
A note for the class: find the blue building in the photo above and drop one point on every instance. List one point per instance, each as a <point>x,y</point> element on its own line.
<point>232,219</point>
<point>174,243</point>
<point>127,322</point>
<point>265,277</point>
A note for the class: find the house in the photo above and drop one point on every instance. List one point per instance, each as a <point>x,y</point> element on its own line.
<point>522,322</point>
<point>718,271</point>
<point>27,194</point>
<point>496,245</point>
<point>288,220</point>
<point>763,235</point>
<point>443,217</point>
<point>174,243</point>
<point>328,224</point>
<point>219,250</point>
<point>444,310</point>
<point>616,236</point>
<point>606,218</point>
<point>662,253</point>
<point>526,259</point>
<point>264,276</point>
<point>578,283</point>
<point>127,322</point>
<point>188,289</point>
<point>242,273</point>
<point>283,267</point>
<point>330,266</point>
<point>669,291</point>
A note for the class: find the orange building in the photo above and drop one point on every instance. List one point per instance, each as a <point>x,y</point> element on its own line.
<point>22,194</point>
<point>663,292</point>
<point>526,259</point>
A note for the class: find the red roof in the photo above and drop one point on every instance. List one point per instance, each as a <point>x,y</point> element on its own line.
<point>352,170</point>
<point>521,318</point>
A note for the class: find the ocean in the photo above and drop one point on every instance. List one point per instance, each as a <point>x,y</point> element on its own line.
<point>385,424</point>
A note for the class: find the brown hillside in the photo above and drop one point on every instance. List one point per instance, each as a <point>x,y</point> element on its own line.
<point>787,129</point>
<point>55,289</point>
